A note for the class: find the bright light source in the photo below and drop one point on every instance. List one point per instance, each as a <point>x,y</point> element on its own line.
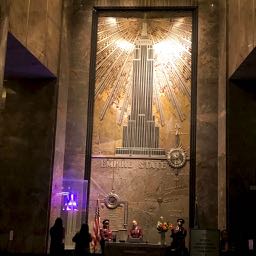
<point>111,21</point>
<point>124,45</point>
<point>168,49</point>
<point>70,202</point>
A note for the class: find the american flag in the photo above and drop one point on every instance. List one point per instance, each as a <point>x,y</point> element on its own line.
<point>96,227</point>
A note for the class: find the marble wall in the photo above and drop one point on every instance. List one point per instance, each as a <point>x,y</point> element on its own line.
<point>222,220</point>
<point>207,114</point>
<point>207,98</point>
<point>217,19</point>
<point>28,126</point>
<point>26,151</point>
<point>241,31</point>
<point>240,162</point>
<point>237,40</point>
<point>150,188</point>
<point>37,25</point>
<point>63,89</point>
<point>4,23</point>
<point>240,120</point>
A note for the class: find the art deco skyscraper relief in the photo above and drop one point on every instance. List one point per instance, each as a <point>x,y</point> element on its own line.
<point>141,136</point>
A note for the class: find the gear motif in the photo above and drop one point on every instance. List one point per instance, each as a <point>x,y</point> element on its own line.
<point>176,158</point>
<point>112,200</point>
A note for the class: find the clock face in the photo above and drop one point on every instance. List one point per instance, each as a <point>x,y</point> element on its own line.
<point>176,158</point>
<point>112,201</point>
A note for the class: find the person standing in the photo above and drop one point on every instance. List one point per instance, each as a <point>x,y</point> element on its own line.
<point>178,235</point>
<point>57,234</point>
<point>105,234</point>
<point>82,241</point>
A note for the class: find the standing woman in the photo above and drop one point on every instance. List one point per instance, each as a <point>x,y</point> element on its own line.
<point>57,233</point>
<point>105,234</point>
<point>82,240</point>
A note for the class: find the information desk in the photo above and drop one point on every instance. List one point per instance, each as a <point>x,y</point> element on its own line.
<point>125,249</point>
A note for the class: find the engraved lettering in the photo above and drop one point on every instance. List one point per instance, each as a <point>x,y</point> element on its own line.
<point>104,163</point>
<point>141,165</point>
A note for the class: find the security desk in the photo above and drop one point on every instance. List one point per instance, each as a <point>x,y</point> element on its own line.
<point>132,249</point>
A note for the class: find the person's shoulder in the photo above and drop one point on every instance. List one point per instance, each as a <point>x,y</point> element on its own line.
<point>52,229</point>
<point>74,239</point>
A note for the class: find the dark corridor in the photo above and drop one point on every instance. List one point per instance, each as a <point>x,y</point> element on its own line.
<point>241,167</point>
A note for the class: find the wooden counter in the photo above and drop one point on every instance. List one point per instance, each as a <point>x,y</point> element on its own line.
<point>125,249</point>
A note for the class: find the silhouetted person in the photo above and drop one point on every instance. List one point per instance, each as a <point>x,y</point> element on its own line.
<point>57,233</point>
<point>178,235</point>
<point>82,240</point>
<point>105,234</point>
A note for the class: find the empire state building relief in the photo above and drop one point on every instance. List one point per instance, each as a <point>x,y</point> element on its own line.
<point>142,86</point>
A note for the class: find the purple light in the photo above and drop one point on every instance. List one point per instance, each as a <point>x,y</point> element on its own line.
<point>70,202</point>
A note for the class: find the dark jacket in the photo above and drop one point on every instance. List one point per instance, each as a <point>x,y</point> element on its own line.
<point>82,241</point>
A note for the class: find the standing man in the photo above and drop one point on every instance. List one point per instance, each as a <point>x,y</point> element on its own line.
<point>178,235</point>
<point>136,231</point>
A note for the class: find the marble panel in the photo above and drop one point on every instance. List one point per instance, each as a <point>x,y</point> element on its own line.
<point>54,12</point>
<point>222,185</point>
<point>208,99</point>
<point>254,22</point>
<point>150,187</point>
<point>78,93</point>
<point>54,17</point>
<point>207,134</point>
<point>19,17</point>
<point>207,197</point>
<point>207,114</point>
<point>26,155</point>
<point>4,25</point>
<point>37,29</point>
<point>208,10</point>
<point>52,46</point>
<point>241,18</point>
<point>59,154</point>
<point>247,16</point>
<point>222,133</point>
<point>74,165</point>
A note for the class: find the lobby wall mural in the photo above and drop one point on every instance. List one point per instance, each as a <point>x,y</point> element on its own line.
<point>143,85</point>
<point>140,164</point>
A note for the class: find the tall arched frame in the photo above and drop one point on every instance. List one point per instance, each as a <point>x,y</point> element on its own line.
<point>141,132</point>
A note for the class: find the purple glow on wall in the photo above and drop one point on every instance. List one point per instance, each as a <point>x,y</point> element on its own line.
<point>70,202</point>
<point>20,63</point>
